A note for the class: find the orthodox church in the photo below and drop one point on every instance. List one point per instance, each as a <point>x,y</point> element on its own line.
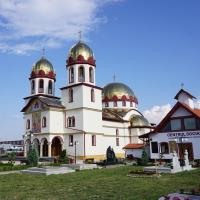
<point>87,119</point>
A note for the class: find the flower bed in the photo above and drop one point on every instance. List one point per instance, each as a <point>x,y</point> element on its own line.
<point>142,174</point>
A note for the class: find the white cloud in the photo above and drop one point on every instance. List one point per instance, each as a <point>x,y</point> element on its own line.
<point>157,113</point>
<point>32,24</point>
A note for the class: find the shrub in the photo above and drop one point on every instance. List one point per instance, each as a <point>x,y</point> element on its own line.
<point>144,159</point>
<point>63,158</point>
<point>12,157</point>
<point>32,157</point>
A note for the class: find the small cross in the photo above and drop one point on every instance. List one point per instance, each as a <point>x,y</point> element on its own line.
<point>80,35</point>
<point>114,77</point>
<point>182,85</point>
<point>43,52</point>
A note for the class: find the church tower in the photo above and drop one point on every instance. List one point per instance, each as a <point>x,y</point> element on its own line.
<point>42,78</point>
<point>81,97</point>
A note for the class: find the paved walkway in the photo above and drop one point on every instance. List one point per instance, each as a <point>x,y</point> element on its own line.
<point>9,172</point>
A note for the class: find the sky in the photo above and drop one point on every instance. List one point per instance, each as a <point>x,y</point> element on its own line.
<point>151,45</point>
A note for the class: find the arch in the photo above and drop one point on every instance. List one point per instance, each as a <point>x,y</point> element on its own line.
<point>81,74</point>
<point>71,95</point>
<point>33,87</point>
<point>41,86</point>
<point>44,147</point>
<point>50,87</point>
<point>28,124</point>
<point>91,75</point>
<point>44,122</point>
<point>92,95</point>
<point>123,103</point>
<point>36,144</point>
<point>56,146</point>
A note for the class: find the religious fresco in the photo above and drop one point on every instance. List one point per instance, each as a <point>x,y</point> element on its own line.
<point>36,122</point>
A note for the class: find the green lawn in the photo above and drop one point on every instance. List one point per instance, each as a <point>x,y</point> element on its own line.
<point>94,184</point>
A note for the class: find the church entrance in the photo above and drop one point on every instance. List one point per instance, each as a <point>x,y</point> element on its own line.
<point>45,148</point>
<point>185,146</point>
<point>56,147</point>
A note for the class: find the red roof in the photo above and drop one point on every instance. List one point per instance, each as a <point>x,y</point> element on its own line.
<point>134,146</point>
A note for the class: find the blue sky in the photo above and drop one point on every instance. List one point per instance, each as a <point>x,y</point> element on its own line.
<point>152,46</point>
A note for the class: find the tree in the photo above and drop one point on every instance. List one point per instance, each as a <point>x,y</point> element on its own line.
<point>32,156</point>
<point>63,158</point>
<point>11,157</point>
<point>144,158</point>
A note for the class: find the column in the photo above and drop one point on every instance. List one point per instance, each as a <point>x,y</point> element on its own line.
<point>25,150</point>
<point>41,149</point>
<point>49,149</point>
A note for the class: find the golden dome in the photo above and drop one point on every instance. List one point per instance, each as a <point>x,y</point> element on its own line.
<point>139,121</point>
<point>44,65</point>
<point>81,49</point>
<point>117,89</point>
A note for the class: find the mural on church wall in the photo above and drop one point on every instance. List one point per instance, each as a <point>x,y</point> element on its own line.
<point>36,121</point>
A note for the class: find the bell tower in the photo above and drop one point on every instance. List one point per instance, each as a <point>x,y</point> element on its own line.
<point>42,78</point>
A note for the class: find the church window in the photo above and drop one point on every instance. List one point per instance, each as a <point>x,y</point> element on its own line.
<point>91,75</point>
<point>32,87</point>
<point>71,75</point>
<point>71,140</point>
<point>117,137</point>
<point>92,95</point>
<point>106,104</point>
<point>154,147</point>
<point>131,104</point>
<point>41,86</point>
<point>44,122</point>
<point>81,74</point>
<point>114,103</point>
<point>28,124</point>
<point>50,87</point>
<point>123,103</point>
<point>164,148</point>
<point>93,140</point>
<point>71,122</point>
<point>70,95</point>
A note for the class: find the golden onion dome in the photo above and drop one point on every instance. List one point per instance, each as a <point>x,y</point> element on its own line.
<point>118,90</point>
<point>44,65</point>
<point>139,121</point>
<point>81,49</point>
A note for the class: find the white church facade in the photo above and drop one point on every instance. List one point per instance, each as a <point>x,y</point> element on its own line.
<point>87,119</point>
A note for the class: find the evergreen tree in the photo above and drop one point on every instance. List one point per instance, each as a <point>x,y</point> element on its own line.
<point>144,158</point>
<point>32,156</point>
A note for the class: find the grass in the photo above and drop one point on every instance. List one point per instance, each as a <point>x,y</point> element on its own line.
<point>108,184</point>
<point>11,167</point>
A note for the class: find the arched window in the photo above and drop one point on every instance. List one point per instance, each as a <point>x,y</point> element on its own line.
<point>106,104</point>
<point>164,148</point>
<point>41,86</point>
<point>114,103</point>
<point>81,74</point>
<point>123,103</point>
<point>117,137</point>
<point>70,95</point>
<point>32,87</point>
<point>50,87</point>
<point>71,75</point>
<point>73,121</point>
<point>28,124</point>
<point>131,104</point>
<point>92,95</point>
<point>91,75</point>
<point>44,122</point>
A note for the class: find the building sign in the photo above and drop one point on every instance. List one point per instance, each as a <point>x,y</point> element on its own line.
<point>183,134</point>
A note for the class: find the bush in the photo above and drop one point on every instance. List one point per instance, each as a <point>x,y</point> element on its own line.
<point>144,159</point>
<point>63,158</point>
<point>32,157</point>
<point>12,157</point>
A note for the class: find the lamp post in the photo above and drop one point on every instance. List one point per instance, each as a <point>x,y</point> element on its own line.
<point>75,143</point>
